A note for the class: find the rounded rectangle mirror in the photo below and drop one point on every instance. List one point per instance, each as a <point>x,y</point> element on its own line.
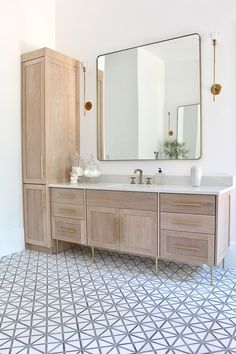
<point>149,101</point>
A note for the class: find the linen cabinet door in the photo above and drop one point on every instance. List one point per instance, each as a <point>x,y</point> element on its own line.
<point>102,227</point>
<point>35,215</point>
<point>33,121</point>
<point>138,232</point>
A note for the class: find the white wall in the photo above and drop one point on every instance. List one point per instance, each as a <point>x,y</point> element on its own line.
<point>121,105</point>
<point>88,28</point>
<point>24,25</point>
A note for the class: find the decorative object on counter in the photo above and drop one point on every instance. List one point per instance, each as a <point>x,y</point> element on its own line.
<point>148,180</point>
<point>77,166</point>
<point>132,180</point>
<point>87,105</point>
<point>170,131</point>
<point>159,177</point>
<point>92,169</point>
<point>156,153</point>
<point>196,176</point>
<point>73,177</point>
<point>174,149</point>
<point>215,88</point>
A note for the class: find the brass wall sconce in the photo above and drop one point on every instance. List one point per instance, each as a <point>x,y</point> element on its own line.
<point>87,105</point>
<point>215,88</point>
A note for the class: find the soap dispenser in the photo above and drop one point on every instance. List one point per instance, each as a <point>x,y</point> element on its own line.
<point>159,177</point>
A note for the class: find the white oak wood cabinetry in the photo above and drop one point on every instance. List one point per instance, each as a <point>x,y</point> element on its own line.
<point>68,215</point>
<point>50,135</point>
<point>194,228</point>
<point>125,221</point>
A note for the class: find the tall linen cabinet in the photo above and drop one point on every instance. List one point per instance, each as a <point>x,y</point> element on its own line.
<point>50,135</point>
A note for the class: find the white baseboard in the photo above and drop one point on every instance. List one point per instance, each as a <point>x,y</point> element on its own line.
<point>11,241</point>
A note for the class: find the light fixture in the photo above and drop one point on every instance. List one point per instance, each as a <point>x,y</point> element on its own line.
<point>170,131</point>
<point>87,105</point>
<point>215,88</point>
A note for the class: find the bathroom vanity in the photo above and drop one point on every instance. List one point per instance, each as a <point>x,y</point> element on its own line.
<point>179,223</point>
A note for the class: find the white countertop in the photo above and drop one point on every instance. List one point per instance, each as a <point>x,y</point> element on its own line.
<point>153,188</point>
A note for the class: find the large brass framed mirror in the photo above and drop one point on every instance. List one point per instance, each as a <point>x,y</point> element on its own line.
<point>149,101</point>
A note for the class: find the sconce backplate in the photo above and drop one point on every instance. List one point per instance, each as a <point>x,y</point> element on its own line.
<point>215,89</point>
<point>88,105</point>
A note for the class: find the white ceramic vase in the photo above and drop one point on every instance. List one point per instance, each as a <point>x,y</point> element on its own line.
<point>196,176</point>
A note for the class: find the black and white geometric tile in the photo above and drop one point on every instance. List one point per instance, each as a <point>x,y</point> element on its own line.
<point>67,303</point>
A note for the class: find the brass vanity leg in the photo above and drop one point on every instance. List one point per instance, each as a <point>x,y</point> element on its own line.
<point>156,264</point>
<point>57,246</point>
<point>212,283</point>
<point>223,263</point>
<point>93,253</point>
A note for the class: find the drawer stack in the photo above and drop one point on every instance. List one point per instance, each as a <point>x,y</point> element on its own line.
<point>68,215</point>
<point>187,228</point>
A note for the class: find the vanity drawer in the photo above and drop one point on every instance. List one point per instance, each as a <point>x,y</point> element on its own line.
<point>68,210</point>
<point>66,195</point>
<point>188,203</point>
<point>188,222</point>
<point>69,230</point>
<point>187,247</point>
<point>124,200</point>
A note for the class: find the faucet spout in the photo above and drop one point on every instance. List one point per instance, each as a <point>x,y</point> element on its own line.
<point>138,170</point>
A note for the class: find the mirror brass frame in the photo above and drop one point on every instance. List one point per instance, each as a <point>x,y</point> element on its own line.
<point>98,104</point>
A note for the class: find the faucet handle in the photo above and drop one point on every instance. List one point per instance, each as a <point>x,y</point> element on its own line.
<point>148,180</point>
<point>132,180</point>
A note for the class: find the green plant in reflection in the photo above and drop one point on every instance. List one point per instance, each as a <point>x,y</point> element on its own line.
<point>174,149</point>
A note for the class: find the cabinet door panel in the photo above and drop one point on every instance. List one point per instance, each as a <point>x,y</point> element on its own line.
<point>138,232</point>
<point>102,227</point>
<point>33,121</point>
<point>35,214</point>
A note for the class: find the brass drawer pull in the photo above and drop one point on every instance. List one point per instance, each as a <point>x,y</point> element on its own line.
<point>187,248</point>
<point>41,167</point>
<point>67,210</point>
<point>115,229</point>
<point>66,195</point>
<point>121,229</point>
<point>65,229</point>
<point>177,222</point>
<point>187,204</point>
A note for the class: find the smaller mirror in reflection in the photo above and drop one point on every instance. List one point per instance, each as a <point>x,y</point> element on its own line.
<point>188,129</point>
<point>149,101</point>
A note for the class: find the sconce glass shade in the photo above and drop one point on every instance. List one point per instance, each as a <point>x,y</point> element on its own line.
<point>84,65</point>
<point>214,36</point>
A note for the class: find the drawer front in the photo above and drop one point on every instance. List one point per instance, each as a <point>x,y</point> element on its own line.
<point>187,247</point>
<point>188,222</point>
<point>66,195</point>
<point>124,200</point>
<point>69,230</point>
<point>188,203</point>
<point>68,210</point>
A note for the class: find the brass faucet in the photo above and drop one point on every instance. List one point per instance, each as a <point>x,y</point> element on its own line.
<point>140,175</point>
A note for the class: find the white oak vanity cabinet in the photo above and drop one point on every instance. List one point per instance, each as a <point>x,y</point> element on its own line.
<point>124,221</point>
<point>194,228</point>
<point>189,228</point>
<point>50,131</point>
<point>68,215</point>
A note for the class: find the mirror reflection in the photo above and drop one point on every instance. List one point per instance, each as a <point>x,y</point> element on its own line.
<point>149,101</point>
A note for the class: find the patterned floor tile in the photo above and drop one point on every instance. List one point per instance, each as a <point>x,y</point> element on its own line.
<point>67,303</point>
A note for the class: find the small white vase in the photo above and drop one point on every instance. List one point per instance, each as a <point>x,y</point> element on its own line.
<point>196,176</point>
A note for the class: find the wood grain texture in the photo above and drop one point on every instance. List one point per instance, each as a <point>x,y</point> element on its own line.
<point>222,226</point>
<point>61,117</point>
<point>35,214</point>
<point>187,247</point>
<point>70,230</point>
<point>188,222</point>
<point>102,227</point>
<point>33,123</point>
<point>124,200</point>
<point>66,195</point>
<point>138,232</point>
<point>72,211</point>
<point>188,203</point>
